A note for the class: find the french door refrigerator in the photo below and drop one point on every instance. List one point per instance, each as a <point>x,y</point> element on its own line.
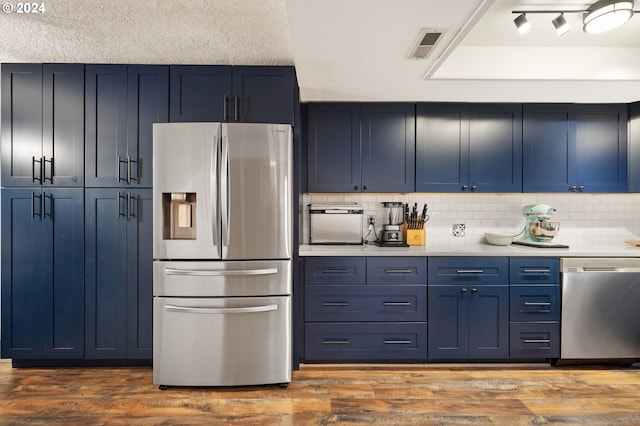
<point>222,254</point>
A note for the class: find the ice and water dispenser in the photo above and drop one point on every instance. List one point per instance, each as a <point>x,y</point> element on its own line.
<point>179,215</point>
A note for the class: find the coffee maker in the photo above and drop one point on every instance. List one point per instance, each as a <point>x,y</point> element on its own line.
<point>392,234</point>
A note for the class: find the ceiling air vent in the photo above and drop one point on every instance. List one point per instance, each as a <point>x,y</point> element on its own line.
<point>427,40</point>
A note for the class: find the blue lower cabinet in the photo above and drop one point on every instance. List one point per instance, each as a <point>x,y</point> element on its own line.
<point>535,340</point>
<point>42,282</point>
<point>365,341</point>
<point>118,274</point>
<point>468,322</point>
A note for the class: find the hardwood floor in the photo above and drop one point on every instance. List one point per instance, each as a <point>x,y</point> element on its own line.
<point>433,394</point>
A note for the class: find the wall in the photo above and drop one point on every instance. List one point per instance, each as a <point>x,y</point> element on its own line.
<point>578,213</point>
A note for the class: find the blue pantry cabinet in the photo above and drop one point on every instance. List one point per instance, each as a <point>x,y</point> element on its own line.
<point>468,308</point>
<point>634,147</point>
<point>355,147</point>
<point>42,125</point>
<point>468,147</point>
<point>118,273</point>
<point>575,148</point>
<point>42,273</point>
<point>249,94</point>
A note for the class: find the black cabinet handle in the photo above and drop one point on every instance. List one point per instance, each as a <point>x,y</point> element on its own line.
<point>536,341</point>
<point>581,188</point>
<point>235,108</point>
<point>335,304</point>
<point>224,108</point>
<point>43,211</point>
<point>572,188</point>
<point>355,188</point>
<point>474,290</point>
<point>128,206</point>
<point>33,169</point>
<point>465,188</point>
<point>463,290</point>
<point>398,271</point>
<point>33,206</point>
<point>117,204</point>
<point>473,187</point>
<point>364,188</point>
<point>44,169</point>
<point>537,304</point>
<point>335,270</point>
<point>536,271</point>
<point>469,271</point>
<point>129,172</point>
<point>396,342</point>
<point>397,303</point>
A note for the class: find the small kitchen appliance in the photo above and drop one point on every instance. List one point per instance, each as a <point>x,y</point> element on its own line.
<point>336,223</point>
<point>539,229</point>
<point>392,234</point>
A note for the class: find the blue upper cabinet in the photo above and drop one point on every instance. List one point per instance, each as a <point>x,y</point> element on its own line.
<point>361,147</point>
<point>122,103</point>
<point>42,125</point>
<point>334,147</point>
<point>250,94</point>
<point>495,147</point>
<point>199,92</point>
<point>263,94</point>
<point>601,148</point>
<point>634,147</point>
<point>575,148</point>
<point>469,148</point>
<point>388,147</point>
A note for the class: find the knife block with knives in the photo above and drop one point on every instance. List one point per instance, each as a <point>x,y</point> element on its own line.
<point>416,231</point>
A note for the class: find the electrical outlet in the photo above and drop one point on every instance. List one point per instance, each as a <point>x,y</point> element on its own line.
<point>371,220</point>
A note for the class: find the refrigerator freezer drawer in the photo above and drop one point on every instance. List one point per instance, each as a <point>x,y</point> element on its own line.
<point>222,341</point>
<point>221,279</point>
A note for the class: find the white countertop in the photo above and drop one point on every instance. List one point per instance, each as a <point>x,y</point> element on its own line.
<point>582,243</point>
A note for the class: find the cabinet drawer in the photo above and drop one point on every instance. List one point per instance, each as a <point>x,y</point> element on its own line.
<point>535,340</point>
<point>396,270</point>
<point>365,341</point>
<point>365,303</point>
<point>335,270</point>
<point>468,270</point>
<point>534,303</point>
<point>534,270</point>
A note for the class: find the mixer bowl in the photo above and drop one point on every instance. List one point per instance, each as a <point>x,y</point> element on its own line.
<point>544,230</point>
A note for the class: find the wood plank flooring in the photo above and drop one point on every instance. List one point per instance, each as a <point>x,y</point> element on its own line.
<point>432,394</point>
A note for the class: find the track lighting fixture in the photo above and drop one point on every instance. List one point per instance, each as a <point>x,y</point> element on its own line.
<point>560,24</point>
<point>522,24</point>
<point>601,16</point>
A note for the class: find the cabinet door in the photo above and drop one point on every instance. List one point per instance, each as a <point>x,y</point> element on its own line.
<point>22,272</point>
<point>488,322</point>
<point>63,275</point>
<point>105,273</point>
<point>263,94</point>
<point>334,147</point>
<point>105,125</point>
<point>601,151</point>
<point>21,124</point>
<point>495,148</point>
<point>200,93</point>
<point>388,147</point>
<point>634,147</point>
<point>63,124</point>
<point>139,275</point>
<point>42,281</point>
<point>447,318</point>
<point>549,146</point>
<point>442,148</point>
<point>147,103</point>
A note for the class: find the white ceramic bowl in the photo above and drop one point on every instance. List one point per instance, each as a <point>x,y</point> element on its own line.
<point>499,238</point>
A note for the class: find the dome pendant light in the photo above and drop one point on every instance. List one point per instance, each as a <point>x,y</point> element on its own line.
<point>606,15</point>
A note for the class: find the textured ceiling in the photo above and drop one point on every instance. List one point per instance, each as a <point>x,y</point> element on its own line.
<point>236,32</point>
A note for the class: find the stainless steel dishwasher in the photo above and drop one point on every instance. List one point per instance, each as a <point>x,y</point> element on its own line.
<point>600,309</point>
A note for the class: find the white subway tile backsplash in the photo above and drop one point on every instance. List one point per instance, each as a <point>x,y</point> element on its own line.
<point>598,212</point>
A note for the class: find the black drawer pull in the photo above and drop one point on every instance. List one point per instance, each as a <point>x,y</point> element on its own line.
<point>335,271</point>
<point>536,341</point>
<point>398,271</point>
<point>335,342</point>
<point>536,271</point>
<point>469,271</point>
<point>397,342</point>
<point>335,303</point>
<point>537,304</point>
<point>397,303</point>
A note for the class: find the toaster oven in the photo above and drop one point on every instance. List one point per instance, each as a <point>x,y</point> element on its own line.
<point>336,223</point>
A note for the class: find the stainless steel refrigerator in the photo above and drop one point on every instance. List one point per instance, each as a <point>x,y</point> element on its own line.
<point>222,254</point>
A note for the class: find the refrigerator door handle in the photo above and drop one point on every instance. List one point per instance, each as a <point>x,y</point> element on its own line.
<point>220,272</point>
<point>214,195</point>
<point>224,194</point>
<point>245,310</point>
